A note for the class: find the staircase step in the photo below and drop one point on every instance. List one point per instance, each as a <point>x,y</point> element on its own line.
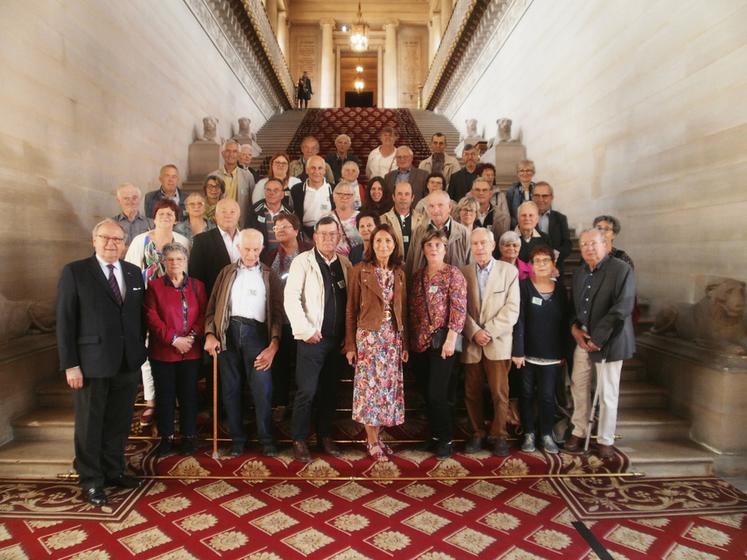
<point>667,458</point>
<point>641,394</point>
<point>640,424</point>
<point>54,394</point>
<point>36,459</point>
<point>45,424</point>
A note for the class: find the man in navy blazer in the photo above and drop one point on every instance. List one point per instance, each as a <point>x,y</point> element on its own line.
<point>101,343</point>
<point>603,299</point>
<point>552,223</point>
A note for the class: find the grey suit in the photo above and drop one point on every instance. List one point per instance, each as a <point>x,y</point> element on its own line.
<point>417,180</point>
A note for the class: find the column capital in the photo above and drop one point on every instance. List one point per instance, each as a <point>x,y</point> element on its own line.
<point>325,22</point>
<point>391,24</point>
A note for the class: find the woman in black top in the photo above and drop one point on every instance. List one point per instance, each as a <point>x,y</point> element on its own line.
<point>539,346</point>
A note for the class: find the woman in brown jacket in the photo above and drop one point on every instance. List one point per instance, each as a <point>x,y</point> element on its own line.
<point>376,338</point>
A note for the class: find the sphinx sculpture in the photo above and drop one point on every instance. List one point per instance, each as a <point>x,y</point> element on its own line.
<point>716,321</point>
<point>246,136</point>
<point>18,318</point>
<point>471,136</point>
<point>210,131</point>
<point>503,135</point>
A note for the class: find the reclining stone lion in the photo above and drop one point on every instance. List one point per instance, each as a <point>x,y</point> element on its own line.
<point>715,321</point>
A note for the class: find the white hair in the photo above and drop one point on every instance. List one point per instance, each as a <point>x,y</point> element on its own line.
<point>125,186</point>
<point>249,233</point>
<point>486,231</point>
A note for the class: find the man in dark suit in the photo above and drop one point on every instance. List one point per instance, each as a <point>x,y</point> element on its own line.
<point>218,247</point>
<point>169,190</point>
<point>101,343</point>
<point>552,223</point>
<point>603,298</point>
<point>531,237</point>
<point>406,171</point>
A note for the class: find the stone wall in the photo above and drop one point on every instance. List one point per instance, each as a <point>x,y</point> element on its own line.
<point>94,93</point>
<point>634,108</point>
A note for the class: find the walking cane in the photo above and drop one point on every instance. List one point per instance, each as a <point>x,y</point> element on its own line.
<point>591,415</point>
<point>215,406</point>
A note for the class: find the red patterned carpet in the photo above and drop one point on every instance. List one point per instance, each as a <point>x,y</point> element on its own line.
<point>349,508</point>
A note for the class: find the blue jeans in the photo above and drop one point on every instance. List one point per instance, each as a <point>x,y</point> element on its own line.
<point>544,378</point>
<point>245,341</point>
<point>317,375</point>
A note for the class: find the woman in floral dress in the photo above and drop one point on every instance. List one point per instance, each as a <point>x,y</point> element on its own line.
<point>376,338</point>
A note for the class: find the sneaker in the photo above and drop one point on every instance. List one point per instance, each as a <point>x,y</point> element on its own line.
<point>549,445</point>
<point>528,445</point>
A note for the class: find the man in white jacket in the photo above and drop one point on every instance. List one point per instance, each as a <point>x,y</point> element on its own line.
<point>315,300</point>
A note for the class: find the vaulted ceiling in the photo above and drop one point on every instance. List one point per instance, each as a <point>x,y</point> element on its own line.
<point>375,12</point>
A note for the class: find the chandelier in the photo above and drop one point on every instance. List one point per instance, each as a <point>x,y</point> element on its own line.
<point>359,33</point>
<point>359,84</point>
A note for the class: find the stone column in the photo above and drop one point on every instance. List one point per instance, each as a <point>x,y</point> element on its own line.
<point>446,9</point>
<point>271,6</point>
<point>379,76</point>
<point>390,65</point>
<point>434,38</point>
<point>338,98</point>
<point>282,32</point>
<point>327,79</point>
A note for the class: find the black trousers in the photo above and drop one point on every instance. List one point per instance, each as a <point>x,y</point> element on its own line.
<point>176,380</point>
<point>103,416</point>
<point>435,377</point>
<point>282,368</point>
<point>538,385</point>
<point>317,375</point>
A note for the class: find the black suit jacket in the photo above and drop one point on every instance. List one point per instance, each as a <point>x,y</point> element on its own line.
<point>460,184</point>
<point>560,237</point>
<point>208,257</point>
<point>612,298</point>
<point>417,180</point>
<point>336,165</point>
<point>93,330</point>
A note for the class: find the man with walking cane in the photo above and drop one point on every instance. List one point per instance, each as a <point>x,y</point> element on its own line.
<point>603,297</point>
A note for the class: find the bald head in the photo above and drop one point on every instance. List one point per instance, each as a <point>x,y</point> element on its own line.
<point>315,168</point>
<point>227,214</point>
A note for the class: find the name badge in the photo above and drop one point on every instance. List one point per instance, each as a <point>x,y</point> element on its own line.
<point>253,293</point>
<point>406,238</point>
<point>325,207</point>
<point>433,289</point>
<point>261,219</point>
<point>536,300</point>
<point>341,284</point>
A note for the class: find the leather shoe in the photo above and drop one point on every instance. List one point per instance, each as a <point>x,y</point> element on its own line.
<point>269,450</point>
<point>501,448</point>
<point>574,445</point>
<point>605,451</point>
<point>443,450</point>
<point>427,446</point>
<point>329,447</point>
<point>474,445</point>
<point>301,451</point>
<point>124,481</point>
<point>95,496</point>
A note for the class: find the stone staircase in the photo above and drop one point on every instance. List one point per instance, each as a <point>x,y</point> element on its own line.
<point>274,137</point>
<point>429,123</point>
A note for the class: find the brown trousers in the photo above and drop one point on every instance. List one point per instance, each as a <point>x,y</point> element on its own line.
<point>496,372</point>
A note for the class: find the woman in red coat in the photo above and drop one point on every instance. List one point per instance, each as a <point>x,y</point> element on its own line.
<point>175,312</point>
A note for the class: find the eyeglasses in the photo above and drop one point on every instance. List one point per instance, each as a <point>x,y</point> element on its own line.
<point>468,210</point>
<point>345,194</point>
<point>280,228</point>
<point>283,163</point>
<point>526,170</point>
<point>175,259</point>
<point>116,240</point>
<point>589,244</point>
<point>541,196</point>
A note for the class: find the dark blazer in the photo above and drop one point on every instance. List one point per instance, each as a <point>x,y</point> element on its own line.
<point>417,180</point>
<point>336,165</point>
<point>154,196</point>
<point>208,257</point>
<point>514,198</point>
<point>460,184</point>
<point>298,194</point>
<point>527,246</point>
<point>560,237</point>
<point>93,330</point>
<point>542,328</point>
<point>256,217</point>
<point>612,298</point>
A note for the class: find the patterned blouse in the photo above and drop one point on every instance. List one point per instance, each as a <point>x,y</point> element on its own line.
<point>447,303</point>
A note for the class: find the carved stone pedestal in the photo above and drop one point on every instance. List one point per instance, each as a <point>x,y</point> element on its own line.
<point>709,388</point>
<point>505,156</point>
<point>204,157</point>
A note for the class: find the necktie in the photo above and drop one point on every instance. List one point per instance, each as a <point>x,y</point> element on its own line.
<point>114,285</point>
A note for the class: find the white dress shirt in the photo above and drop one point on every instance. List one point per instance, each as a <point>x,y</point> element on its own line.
<point>248,294</point>
<point>316,203</point>
<point>232,245</point>
<point>118,274</point>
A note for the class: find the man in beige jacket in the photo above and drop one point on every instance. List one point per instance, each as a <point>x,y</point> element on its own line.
<point>440,161</point>
<point>492,310</point>
<point>315,302</point>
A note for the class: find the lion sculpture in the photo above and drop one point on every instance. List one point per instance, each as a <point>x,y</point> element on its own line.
<point>715,321</point>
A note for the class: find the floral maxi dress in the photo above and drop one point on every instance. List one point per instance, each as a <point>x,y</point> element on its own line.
<point>378,393</point>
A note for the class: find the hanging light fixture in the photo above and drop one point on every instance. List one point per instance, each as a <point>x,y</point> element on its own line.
<point>359,33</point>
<point>359,84</point>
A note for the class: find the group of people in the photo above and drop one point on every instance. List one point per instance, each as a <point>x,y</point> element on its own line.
<point>426,268</point>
